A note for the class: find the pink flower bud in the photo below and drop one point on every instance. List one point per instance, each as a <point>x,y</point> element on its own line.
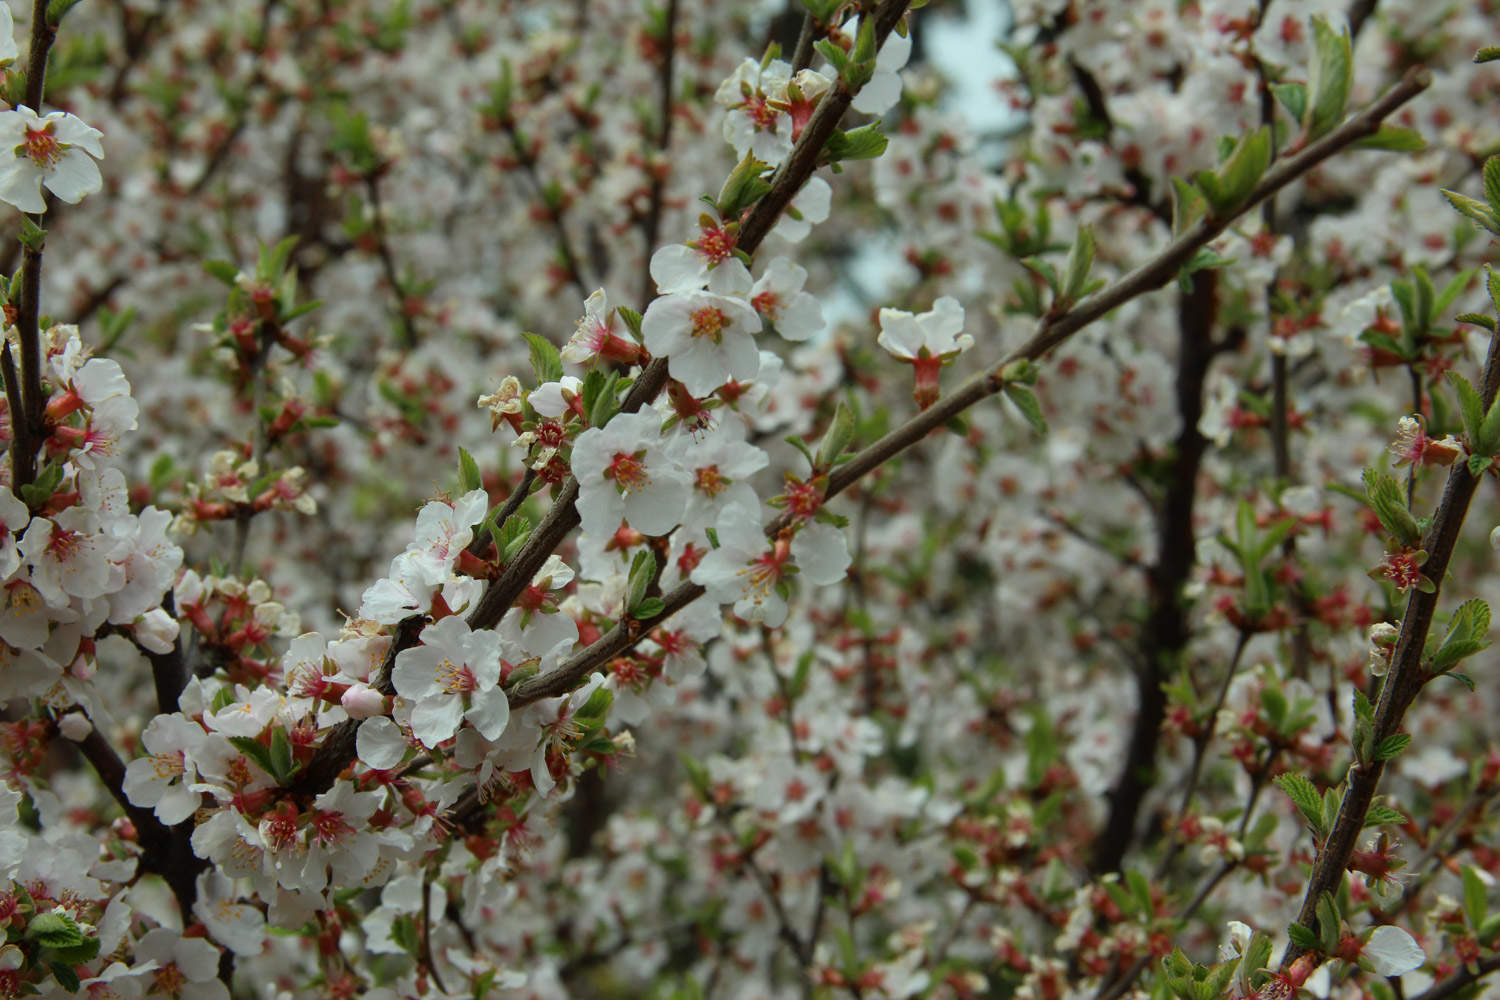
<point>363,702</point>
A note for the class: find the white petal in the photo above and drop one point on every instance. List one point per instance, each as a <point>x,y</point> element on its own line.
<point>822,554</point>
<point>74,176</point>
<point>1392,951</point>
<point>678,268</point>
<point>883,90</point>
<point>380,743</point>
<point>21,186</point>
<point>434,720</point>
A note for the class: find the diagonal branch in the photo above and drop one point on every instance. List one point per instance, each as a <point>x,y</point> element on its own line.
<point>785,183</point>
<point>1052,331</point>
<point>1405,679</point>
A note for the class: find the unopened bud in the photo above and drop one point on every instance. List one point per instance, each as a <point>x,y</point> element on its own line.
<point>75,726</point>
<point>363,702</point>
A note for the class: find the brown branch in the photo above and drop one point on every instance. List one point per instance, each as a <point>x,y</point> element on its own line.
<point>1165,635</point>
<point>28,424</point>
<point>1404,680</point>
<point>166,850</point>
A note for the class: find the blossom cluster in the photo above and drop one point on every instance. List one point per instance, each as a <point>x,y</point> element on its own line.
<point>719,667</point>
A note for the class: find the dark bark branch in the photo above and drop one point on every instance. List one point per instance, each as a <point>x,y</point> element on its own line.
<point>1405,679</point>
<point>1165,636</point>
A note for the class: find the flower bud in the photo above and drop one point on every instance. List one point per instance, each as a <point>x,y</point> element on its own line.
<point>75,726</point>
<point>363,702</point>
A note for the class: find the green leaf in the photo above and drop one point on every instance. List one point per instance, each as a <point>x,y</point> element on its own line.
<point>650,608</point>
<point>298,311</point>
<point>1463,679</point>
<point>255,750</point>
<point>1274,702</point>
<point>742,188</point>
<point>281,755</point>
<point>1492,183</point>
<point>1474,209</point>
<point>836,438</point>
<point>1202,260</point>
<point>1303,938</point>
<point>1141,890</point>
<point>222,270</point>
<point>1328,922</point>
<point>1394,139</point>
<point>1489,431</point>
<point>642,572</point>
<point>1452,290</point>
<point>1331,76</point>
<point>823,10</point>
<point>1392,745</point>
<point>1385,342</point>
<point>1188,205</point>
<point>1304,796</point>
<point>863,143</point>
<point>836,56</point>
<point>1045,270</point>
<point>1293,97</point>
<point>1080,262</point>
<point>1479,465</point>
<point>66,977</point>
<point>546,362</point>
<point>1217,982</point>
<point>54,930</point>
<point>1469,405</point>
<point>77,954</point>
<point>801,445</point>
<point>1384,816</point>
<point>1245,167</point>
<point>607,403</point>
<point>1389,504</point>
<point>1487,54</point>
<point>1475,905</point>
<point>1364,727</point>
<point>1027,403</point>
<point>1466,635</point>
<point>632,320</point>
<point>468,472</point>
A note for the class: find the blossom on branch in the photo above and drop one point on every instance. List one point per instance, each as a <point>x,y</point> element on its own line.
<point>56,150</point>
<point>623,471</point>
<point>927,342</point>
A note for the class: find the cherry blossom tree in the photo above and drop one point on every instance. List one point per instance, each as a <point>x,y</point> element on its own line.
<point>475,524</point>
